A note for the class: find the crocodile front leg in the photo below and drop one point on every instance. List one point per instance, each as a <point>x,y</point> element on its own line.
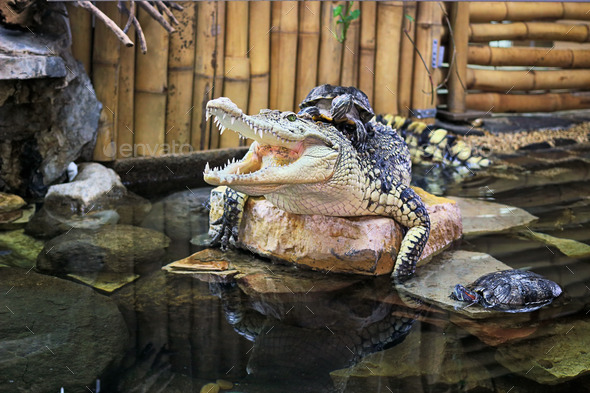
<point>406,207</point>
<point>228,225</point>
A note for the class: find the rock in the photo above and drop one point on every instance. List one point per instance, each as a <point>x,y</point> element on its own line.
<point>10,202</point>
<point>494,331</point>
<point>23,249</point>
<point>434,282</point>
<point>94,185</point>
<point>46,123</point>
<point>360,245</point>
<point>482,217</point>
<point>105,282</point>
<point>569,247</point>
<point>95,198</point>
<point>116,249</point>
<point>20,220</point>
<point>210,388</point>
<point>223,384</point>
<point>422,358</point>
<point>50,325</point>
<point>554,354</point>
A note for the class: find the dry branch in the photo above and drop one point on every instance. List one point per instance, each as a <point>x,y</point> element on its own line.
<point>107,21</point>
<point>156,15</point>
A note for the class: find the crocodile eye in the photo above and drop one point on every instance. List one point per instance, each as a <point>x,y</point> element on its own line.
<point>292,117</point>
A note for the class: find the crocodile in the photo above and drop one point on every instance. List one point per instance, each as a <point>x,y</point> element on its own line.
<point>307,167</point>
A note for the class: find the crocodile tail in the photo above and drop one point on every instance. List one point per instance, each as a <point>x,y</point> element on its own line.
<point>430,145</point>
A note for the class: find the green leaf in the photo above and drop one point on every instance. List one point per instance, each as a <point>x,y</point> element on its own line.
<point>340,21</point>
<point>409,17</point>
<point>355,14</point>
<point>337,11</point>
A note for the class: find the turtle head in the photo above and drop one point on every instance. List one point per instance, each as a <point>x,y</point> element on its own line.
<point>463,294</point>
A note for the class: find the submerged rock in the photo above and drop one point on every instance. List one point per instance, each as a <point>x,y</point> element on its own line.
<point>555,354</point>
<point>55,334</point>
<point>569,247</point>
<point>95,198</point>
<point>483,217</point>
<point>428,358</point>
<point>361,245</point>
<point>116,249</point>
<point>22,249</point>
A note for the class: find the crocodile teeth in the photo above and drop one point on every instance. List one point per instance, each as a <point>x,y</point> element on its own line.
<point>207,169</point>
<point>232,120</point>
<point>221,129</point>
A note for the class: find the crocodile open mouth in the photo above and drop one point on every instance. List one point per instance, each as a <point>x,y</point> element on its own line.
<point>276,157</point>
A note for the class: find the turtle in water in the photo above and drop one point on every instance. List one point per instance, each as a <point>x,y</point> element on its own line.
<point>509,291</point>
<point>339,105</point>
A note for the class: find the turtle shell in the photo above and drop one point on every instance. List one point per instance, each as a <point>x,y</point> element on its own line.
<point>323,95</point>
<point>514,290</point>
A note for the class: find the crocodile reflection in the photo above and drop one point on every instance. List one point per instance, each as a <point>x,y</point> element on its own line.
<point>298,340</point>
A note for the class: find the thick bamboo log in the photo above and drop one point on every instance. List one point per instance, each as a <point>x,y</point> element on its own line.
<point>460,26</point>
<point>525,56</point>
<point>487,11</point>
<point>283,55</point>
<point>105,78</point>
<point>81,28</point>
<point>219,32</point>
<point>521,31</point>
<point>368,41</point>
<point>125,122</point>
<point>308,49</point>
<point>206,31</point>
<point>330,48</point>
<point>259,52</point>
<point>151,82</point>
<point>406,64</point>
<point>499,102</point>
<point>428,30</point>
<point>509,81</point>
<point>237,64</point>
<point>181,62</point>
<point>389,25</point>
<point>350,65</point>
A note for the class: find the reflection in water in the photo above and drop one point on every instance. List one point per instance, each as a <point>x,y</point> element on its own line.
<point>295,348</point>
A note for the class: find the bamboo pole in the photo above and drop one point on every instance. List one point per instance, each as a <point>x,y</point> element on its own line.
<point>204,73</point>
<point>308,49</point>
<point>460,26</point>
<point>406,64</point>
<point>522,31</point>
<point>283,55</point>
<point>500,80</point>
<point>81,28</point>
<point>105,78</point>
<point>428,29</point>
<point>181,62</point>
<point>525,56</point>
<point>215,137</point>
<point>487,11</point>
<point>259,52</point>
<point>237,63</point>
<point>330,57</point>
<point>125,124</point>
<point>350,65</point>
<point>367,48</point>
<point>389,25</point>
<point>549,102</point>
<point>151,81</point>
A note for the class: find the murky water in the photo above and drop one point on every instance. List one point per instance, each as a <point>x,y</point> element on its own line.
<point>286,330</point>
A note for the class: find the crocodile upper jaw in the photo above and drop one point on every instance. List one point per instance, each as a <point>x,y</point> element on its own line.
<point>282,153</point>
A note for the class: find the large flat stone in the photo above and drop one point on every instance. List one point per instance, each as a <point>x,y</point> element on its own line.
<point>483,217</point>
<point>360,245</point>
<point>31,67</point>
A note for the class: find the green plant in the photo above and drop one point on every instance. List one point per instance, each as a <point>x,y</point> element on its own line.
<point>346,16</point>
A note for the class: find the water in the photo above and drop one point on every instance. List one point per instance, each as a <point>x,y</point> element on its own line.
<point>286,330</point>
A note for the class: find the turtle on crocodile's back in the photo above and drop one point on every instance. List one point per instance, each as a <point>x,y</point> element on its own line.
<point>340,105</point>
<point>509,290</point>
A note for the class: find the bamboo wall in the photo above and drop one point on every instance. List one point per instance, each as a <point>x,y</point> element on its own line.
<point>546,69</point>
<point>270,54</point>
